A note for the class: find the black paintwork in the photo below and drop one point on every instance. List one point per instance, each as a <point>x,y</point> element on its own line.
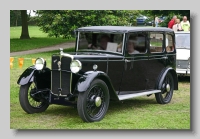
<point>41,78</point>
<point>162,76</point>
<point>86,79</point>
<point>61,101</point>
<point>60,83</point>
<point>26,76</point>
<point>143,71</point>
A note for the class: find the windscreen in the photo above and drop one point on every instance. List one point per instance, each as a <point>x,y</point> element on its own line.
<point>94,41</point>
<point>183,40</point>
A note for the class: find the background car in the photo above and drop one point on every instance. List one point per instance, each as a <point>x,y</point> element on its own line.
<point>161,19</point>
<point>141,20</point>
<point>183,53</point>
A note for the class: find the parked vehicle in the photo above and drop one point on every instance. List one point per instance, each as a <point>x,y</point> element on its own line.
<point>161,19</point>
<point>149,22</point>
<point>90,77</point>
<point>141,20</point>
<point>183,53</point>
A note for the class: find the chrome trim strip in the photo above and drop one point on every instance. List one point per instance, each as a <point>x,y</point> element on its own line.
<point>77,44</point>
<point>66,55</point>
<point>128,96</point>
<point>116,60</point>
<point>72,58</point>
<point>70,89</point>
<point>60,76</point>
<point>51,75</point>
<point>123,44</point>
<point>58,95</point>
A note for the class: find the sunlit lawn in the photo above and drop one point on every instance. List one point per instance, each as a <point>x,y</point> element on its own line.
<point>38,39</point>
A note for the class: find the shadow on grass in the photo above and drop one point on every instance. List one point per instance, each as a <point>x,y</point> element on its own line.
<point>114,107</point>
<point>184,79</point>
<point>61,110</point>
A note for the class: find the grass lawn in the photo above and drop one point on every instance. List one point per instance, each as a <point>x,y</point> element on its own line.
<point>38,39</point>
<point>138,113</point>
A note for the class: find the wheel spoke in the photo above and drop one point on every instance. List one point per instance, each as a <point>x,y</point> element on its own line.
<point>32,101</point>
<point>165,93</point>
<point>92,109</point>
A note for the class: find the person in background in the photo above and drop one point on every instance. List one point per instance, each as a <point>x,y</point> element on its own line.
<point>185,24</point>
<point>131,46</point>
<point>177,26</point>
<point>156,21</point>
<point>172,22</point>
<point>103,43</point>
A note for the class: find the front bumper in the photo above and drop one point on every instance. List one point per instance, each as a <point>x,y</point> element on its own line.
<point>185,72</point>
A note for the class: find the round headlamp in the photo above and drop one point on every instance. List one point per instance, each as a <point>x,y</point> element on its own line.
<point>40,63</point>
<point>75,66</point>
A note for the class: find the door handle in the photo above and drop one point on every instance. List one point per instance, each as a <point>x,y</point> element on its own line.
<point>165,57</point>
<point>127,60</point>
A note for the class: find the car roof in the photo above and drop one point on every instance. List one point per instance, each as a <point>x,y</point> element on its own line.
<point>122,29</point>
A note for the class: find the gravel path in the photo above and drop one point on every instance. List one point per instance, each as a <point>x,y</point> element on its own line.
<point>50,48</point>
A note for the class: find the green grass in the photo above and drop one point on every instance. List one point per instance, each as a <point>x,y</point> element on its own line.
<point>138,113</point>
<point>38,39</point>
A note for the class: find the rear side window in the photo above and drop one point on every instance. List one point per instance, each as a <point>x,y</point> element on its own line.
<point>169,43</point>
<point>156,42</point>
<point>136,43</point>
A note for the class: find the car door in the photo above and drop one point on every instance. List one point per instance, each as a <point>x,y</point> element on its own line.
<point>157,58</point>
<point>134,77</point>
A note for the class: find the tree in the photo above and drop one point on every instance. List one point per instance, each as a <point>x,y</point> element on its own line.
<point>63,22</point>
<point>24,32</point>
<point>15,18</point>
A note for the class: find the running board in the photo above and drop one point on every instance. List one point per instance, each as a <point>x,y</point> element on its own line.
<point>128,96</point>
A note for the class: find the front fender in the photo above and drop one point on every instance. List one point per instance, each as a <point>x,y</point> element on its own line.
<point>86,79</point>
<point>26,76</point>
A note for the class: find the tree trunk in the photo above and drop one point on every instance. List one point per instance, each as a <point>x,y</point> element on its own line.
<point>16,22</point>
<point>154,24</point>
<point>24,33</point>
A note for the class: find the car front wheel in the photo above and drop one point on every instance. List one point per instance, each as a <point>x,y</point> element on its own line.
<point>30,101</point>
<point>167,89</point>
<point>93,104</point>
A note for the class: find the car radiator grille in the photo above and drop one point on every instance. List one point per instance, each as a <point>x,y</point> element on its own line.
<point>61,80</point>
<point>182,64</point>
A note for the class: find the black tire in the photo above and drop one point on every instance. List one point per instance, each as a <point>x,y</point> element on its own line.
<point>90,111</point>
<point>25,100</point>
<point>165,95</point>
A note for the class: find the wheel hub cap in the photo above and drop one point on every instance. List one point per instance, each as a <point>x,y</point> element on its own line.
<point>168,87</point>
<point>98,101</point>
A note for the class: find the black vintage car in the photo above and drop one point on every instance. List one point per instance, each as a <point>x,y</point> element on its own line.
<point>110,63</point>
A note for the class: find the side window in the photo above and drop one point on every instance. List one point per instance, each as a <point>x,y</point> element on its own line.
<point>136,43</point>
<point>83,40</point>
<point>118,38</point>
<point>169,43</point>
<point>156,42</point>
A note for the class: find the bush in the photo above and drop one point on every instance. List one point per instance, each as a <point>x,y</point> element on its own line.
<point>32,21</point>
